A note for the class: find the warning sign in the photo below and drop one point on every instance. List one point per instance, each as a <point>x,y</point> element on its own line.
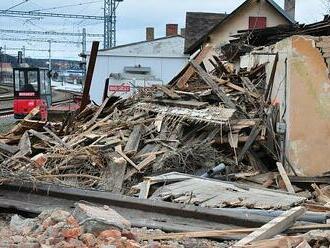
<point>119,88</point>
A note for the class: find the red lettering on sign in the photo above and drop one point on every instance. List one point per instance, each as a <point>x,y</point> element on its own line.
<point>26,94</point>
<point>120,88</point>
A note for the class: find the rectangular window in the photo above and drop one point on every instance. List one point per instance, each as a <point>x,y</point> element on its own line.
<point>257,22</point>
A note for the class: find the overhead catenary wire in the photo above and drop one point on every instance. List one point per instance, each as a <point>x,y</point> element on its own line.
<point>68,5</point>
<point>16,5</point>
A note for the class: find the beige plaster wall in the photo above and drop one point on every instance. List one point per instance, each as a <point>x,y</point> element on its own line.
<point>240,21</point>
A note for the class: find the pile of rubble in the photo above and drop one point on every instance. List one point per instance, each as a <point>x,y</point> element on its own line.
<point>209,139</point>
<point>87,226</point>
<point>159,130</point>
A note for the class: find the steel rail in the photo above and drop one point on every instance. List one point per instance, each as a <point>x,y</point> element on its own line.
<point>33,198</point>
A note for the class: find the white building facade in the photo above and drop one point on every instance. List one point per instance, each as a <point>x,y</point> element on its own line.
<point>156,61</point>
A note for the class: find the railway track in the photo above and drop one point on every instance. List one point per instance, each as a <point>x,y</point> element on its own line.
<point>30,199</point>
<point>6,112</point>
<point>6,98</point>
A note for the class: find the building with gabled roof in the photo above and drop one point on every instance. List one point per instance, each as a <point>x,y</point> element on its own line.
<point>252,14</point>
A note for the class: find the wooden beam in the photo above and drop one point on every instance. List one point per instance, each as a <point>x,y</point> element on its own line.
<point>133,142</point>
<point>215,88</point>
<point>98,112</point>
<point>185,104</point>
<point>119,150</point>
<point>169,92</point>
<point>285,178</point>
<point>113,174</point>
<point>9,148</point>
<point>140,166</point>
<point>273,227</point>
<point>182,82</point>
<point>89,76</point>
<point>202,234</point>
<point>228,233</point>
<point>55,137</point>
<point>252,137</point>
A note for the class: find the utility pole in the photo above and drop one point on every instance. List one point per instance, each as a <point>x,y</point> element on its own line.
<point>1,59</point>
<point>84,50</point>
<point>50,55</point>
<point>23,50</point>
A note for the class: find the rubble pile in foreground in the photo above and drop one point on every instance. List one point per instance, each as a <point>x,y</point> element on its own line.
<point>86,227</point>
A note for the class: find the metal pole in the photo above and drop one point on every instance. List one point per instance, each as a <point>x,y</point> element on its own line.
<point>1,60</point>
<point>84,41</point>
<point>23,49</point>
<point>84,50</point>
<point>50,55</point>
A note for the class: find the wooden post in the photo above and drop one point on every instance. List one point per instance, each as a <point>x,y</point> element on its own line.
<point>182,83</point>
<point>89,76</point>
<point>273,227</point>
<point>285,178</point>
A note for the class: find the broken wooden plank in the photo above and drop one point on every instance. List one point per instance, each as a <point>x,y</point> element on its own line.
<point>113,174</point>
<point>252,137</point>
<point>187,104</point>
<point>140,166</point>
<point>216,89</point>
<point>8,148</point>
<point>119,150</point>
<point>96,115</point>
<point>24,145</point>
<point>274,227</point>
<point>144,189</point>
<point>285,178</point>
<point>278,242</point>
<point>169,92</point>
<point>202,234</point>
<point>240,89</point>
<point>55,137</point>
<point>226,233</point>
<point>182,82</point>
<point>215,194</point>
<point>43,137</point>
<point>133,142</point>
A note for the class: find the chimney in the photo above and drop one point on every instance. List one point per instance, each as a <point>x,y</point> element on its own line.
<point>150,33</point>
<point>290,8</point>
<point>171,29</point>
<point>183,32</point>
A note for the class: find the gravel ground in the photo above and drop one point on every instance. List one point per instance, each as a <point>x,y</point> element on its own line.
<point>6,123</point>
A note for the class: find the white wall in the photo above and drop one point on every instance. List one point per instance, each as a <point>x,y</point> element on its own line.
<point>162,68</point>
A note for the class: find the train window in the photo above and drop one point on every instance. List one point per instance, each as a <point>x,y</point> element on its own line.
<point>32,82</point>
<point>42,82</point>
<point>19,80</point>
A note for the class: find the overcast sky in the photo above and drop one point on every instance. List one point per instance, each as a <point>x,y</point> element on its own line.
<point>133,17</point>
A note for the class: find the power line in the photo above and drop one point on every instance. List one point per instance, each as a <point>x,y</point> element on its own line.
<point>16,5</point>
<point>10,31</point>
<point>40,40</point>
<point>68,5</point>
<point>15,13</point>
<point>31,49</point>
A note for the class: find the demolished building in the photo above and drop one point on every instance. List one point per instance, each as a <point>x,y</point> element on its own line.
<point>232,149</point>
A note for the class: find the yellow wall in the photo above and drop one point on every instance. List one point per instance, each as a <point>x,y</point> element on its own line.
<point>304,100</point>
<point>240,21</point>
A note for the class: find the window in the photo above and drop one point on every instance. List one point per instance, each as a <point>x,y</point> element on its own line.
<point>257,22</point>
